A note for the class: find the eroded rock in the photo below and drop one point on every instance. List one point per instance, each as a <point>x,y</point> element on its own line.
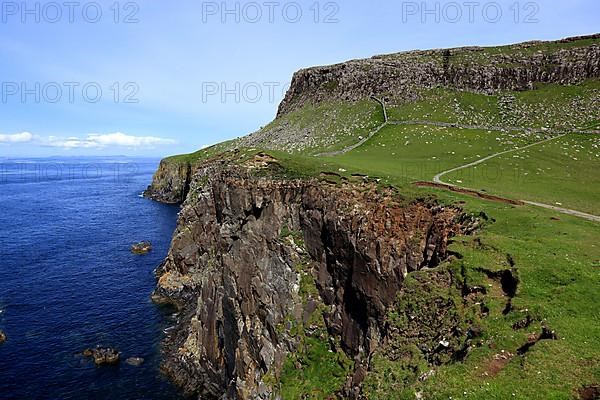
<point>141,248</point>
<point>233,270</point>
<point>103,355</point>
<point>170,183</point>
<point>403,76</point>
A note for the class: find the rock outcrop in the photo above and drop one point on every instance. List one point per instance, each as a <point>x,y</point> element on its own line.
<point>141,248</point>
<point>233,270</point>
<point>170,183</point>
<point>103,355</point>
<point>401,77</point>
<point>134,361</point>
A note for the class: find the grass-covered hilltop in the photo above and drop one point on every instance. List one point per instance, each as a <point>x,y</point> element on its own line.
<point>420,225</point>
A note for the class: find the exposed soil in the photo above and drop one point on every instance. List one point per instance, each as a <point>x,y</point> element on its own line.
<point>470,192</point>
<point>547,334</point>
<point>497,364</point>
<point>591,392</point>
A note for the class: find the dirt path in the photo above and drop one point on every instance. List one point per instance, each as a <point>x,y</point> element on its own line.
<point>363,141</point>
<point>438,180</point>
<point>438,177</point>
<point>447,125</point>
<point>566,211</point>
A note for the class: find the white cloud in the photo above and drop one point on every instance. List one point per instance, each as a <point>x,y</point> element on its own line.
<point>100,141</point>
<point>22,137</point>
<point>92,141</point>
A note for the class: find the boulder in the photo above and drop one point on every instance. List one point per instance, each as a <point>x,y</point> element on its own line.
<point>103,355</point>
<point>141,248</point>
<point>135,361</point>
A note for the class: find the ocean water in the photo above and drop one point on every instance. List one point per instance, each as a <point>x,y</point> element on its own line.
<point>68,280</point>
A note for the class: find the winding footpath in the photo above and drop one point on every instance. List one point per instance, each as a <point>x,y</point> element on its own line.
<point>438,178</point>
<point>364,140</point>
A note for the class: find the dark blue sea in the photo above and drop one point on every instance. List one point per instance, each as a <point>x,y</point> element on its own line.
<point>68,280</point>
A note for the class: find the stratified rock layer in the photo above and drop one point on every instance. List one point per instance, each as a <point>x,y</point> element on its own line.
<point>402,76</point>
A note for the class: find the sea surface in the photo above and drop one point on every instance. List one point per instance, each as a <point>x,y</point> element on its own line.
<point>68,280</point>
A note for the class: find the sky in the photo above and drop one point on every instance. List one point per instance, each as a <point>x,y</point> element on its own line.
<point>155,77</point>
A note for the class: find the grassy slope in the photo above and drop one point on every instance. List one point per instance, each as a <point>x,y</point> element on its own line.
<point>203,154</point>
<point>546,106</point>
<point>400,154</point>
<point>323,127</point>
<point>558,265</point>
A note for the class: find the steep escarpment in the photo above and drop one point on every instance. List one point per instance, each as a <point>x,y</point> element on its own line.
<point>259,267</point>
<point>402,77</point>
<point>170,183</point>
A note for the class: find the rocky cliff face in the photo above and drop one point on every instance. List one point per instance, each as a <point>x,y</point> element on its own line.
<point>247,252</point>
<point>170,183</point>
<point>400,77</point>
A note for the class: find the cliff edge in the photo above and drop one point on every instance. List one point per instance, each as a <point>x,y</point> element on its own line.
<point>264,270</point>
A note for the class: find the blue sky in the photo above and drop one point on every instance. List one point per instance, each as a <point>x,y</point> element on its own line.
<point>162,78</point>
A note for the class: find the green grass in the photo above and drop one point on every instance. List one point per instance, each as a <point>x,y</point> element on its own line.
<point>202,155</point>
<point>407,153</point>
<point>559,284</point>
<point>563,172</point>
<point>447,105</point>
<point>315,373</point>
<point>322,127</point>
<point>595,124</point>
<point>546,106</point>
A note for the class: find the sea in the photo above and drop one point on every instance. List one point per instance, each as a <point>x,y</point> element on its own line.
<point>68,280</point>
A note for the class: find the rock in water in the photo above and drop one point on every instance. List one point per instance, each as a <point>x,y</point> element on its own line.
<point>135,361</point>
<point>141,248</point>
<point>103,355</point>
